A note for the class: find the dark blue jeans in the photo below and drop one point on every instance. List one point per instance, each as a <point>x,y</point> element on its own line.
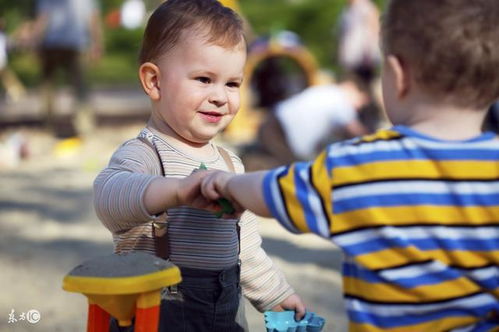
<point>205,301</point>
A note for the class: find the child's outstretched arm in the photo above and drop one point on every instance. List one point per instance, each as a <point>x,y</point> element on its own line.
<point>243,191</point>
<point>298,196</point>
<point>131,191</point>
<point>163,193</point>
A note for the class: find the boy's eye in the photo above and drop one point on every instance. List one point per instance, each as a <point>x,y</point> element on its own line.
<point>233,84</point>
<point>203,79</point>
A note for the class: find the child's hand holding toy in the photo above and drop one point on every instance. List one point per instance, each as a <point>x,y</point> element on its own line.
<point>225,206</point>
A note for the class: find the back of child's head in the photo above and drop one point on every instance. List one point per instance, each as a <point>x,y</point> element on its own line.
<point>450,46</point>
<point>164,29</point>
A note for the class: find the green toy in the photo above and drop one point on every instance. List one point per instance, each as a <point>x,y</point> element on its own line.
<point>226,206</point>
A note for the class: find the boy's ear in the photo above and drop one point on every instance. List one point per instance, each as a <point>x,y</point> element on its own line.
<point>400,74</point>
<point>149,75</point>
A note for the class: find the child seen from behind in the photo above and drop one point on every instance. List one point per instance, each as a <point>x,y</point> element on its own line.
<point>415,208</point>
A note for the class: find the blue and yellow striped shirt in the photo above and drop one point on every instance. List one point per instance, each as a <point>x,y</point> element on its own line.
<point>417,219</point>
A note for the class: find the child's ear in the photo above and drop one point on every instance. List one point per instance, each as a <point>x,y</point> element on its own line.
<point>400,74</point>
<point>149,75</point>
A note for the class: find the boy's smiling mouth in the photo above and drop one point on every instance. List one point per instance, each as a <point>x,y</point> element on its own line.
<point>212,117</point>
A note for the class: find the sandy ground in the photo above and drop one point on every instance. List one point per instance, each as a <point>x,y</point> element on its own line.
<point>48,226</point>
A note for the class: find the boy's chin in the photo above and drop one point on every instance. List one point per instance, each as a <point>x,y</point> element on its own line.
<point>202,136</point>
<point>202,139</point>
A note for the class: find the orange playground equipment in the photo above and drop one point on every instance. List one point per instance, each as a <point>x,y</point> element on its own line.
<point>123,286</point>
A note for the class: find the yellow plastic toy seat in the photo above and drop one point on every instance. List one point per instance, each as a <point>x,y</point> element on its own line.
<point>123,286</point>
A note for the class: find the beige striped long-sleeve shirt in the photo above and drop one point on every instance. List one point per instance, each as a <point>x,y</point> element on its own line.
<point>197,238</point>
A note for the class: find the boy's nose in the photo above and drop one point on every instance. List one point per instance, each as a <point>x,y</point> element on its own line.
<point>218,96</point>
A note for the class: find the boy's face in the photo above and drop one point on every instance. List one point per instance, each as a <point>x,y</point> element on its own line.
<point>199,86</point>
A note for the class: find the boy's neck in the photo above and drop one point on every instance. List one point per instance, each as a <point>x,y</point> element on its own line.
<point>443,120</point>
<point>198,150</point>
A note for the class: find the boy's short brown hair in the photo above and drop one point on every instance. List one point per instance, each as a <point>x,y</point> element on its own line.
<point>171,18</point>
<point>451,47</point>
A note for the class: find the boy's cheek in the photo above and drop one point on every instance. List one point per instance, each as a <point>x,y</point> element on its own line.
<point>235,103</point>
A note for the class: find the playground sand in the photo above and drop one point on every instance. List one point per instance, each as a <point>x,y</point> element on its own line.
<point>48,227</point>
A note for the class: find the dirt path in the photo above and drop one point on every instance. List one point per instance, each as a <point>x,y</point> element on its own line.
<point>48,226</point>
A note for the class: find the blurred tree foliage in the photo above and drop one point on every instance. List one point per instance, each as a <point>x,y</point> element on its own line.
<point>315,21</point>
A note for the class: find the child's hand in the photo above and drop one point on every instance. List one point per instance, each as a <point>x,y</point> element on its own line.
<point>292,302</point>
<point>214,185</point>
<point>214,188</point>
<point>189,192</point>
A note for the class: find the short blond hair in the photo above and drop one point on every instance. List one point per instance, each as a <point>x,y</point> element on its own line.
<point>451,46</point>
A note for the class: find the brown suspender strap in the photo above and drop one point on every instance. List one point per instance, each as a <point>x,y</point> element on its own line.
<point>227,159</point>
<point>159,228</point>
<point>230,164</point>
<point>153,147</point>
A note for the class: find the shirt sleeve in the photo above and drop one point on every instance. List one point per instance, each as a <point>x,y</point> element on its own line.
<point>119,189</point>
<point>299,196</point>
<point>263,284</point>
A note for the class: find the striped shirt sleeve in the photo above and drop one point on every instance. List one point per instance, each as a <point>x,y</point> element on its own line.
<point>119,189</point>
<point>299,196</point>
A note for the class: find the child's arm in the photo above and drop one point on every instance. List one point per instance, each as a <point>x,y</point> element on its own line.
<point>131,191</point>
<point>163,193</point>
<point>299,196</point>
<point>244,191</point>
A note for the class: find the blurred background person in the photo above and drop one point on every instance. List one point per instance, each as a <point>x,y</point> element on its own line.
<point>65,31</point>
<point>270,83</point>
<point>358,50</point>
<point>300,126</point>
<point>277,77</point>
